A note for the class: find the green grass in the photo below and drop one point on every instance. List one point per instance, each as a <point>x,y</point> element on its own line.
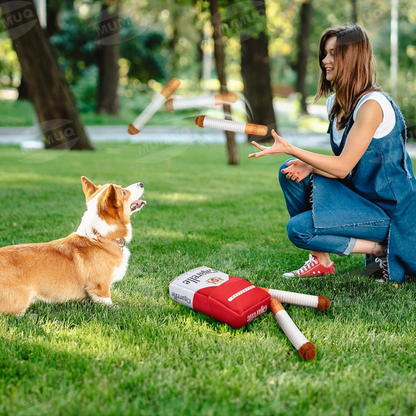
<point>16,113</point>
<point>152,356</point>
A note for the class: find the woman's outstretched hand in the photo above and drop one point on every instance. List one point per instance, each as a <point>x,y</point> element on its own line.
<point>297,170</point>
<point>279,146</point>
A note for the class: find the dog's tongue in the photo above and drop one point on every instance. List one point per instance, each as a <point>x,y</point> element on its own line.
<point>137,205</point>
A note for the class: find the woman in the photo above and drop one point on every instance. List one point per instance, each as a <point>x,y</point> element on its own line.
<point>363,198</point>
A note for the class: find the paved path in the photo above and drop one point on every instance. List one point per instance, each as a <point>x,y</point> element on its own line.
<point>186,135</point>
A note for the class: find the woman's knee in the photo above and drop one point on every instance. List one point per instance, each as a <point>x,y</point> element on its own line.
<point>300,229</point>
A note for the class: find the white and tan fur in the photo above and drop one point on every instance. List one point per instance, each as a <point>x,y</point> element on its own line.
<point>86,263</point>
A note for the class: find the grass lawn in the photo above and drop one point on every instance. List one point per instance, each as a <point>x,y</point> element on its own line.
<point>152,356</point>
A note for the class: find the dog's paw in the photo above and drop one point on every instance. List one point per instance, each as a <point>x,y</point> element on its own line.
<point>103,301</point>
<point>21,314</point>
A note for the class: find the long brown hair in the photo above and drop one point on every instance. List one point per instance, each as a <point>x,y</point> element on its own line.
<point>354,70</point>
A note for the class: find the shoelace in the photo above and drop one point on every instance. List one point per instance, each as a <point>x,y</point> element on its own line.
<point>308,264</point>
<point>382,261</point>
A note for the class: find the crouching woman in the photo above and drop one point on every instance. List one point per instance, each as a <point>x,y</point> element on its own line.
<point>362,199</point>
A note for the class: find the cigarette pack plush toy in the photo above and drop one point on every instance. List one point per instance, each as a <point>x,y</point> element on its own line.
<point>226,298</point>
<point>236,302</point>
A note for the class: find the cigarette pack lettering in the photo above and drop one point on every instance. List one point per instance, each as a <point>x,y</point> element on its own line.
<point>229,299</point>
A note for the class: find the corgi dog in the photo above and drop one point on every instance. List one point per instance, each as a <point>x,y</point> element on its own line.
<point>84,264</point>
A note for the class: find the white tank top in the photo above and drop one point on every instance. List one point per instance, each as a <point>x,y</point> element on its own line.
<point>385,127</point>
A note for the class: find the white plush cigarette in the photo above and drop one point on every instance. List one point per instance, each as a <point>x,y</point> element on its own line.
<point>237,126</point>
<point>197,102</point>
<point>151,109</point>
<point>306,349</point>
<point>318,302</point>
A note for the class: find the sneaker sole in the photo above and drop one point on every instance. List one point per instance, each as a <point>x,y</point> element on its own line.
<point>290,275</point>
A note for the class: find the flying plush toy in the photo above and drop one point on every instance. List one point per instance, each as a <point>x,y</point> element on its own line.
<point>151,109</point>
<point>228,125</point>
<point>203,101</point>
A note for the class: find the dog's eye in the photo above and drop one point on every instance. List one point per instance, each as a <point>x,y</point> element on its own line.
<point>124,192</point>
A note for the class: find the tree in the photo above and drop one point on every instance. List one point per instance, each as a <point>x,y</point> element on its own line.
<point>22,90</point>
<point>108,54</point>
<point>255,71</point>
<point>49,91</point>
<point>175,13</point>
<point>303,52</point>
<point>354,15</point>
<point>53,9</point>
<point>219,63</point>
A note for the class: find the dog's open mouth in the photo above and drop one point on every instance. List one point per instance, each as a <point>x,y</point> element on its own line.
<point>137,205</point>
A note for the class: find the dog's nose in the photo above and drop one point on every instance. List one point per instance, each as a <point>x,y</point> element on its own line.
<point>140,185</point>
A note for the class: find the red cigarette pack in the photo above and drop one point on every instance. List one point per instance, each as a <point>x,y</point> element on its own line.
<point>229,299</point>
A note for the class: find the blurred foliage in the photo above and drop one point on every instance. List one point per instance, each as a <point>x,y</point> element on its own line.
<point>85,89</point>
<point>10,72</point>
<point>74,45</point>
<point>143,53</point>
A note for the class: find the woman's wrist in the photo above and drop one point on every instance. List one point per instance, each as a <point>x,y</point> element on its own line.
<point>290,149</point>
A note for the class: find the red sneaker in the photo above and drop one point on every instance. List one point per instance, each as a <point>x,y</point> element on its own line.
<point>311,268</point>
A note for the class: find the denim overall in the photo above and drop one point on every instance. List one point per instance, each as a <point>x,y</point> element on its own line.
<point>383,178</point>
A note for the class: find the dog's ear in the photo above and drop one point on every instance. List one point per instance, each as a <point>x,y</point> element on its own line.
<point>110,197</point>
<point>88,187</point>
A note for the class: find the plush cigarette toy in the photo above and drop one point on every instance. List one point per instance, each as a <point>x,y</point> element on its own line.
<point>151,109</point>
<point>236,126</point>
<point>196,102</point>
<point>236,302</point>
<point>318,302</point>
<point>306,349</point>
<point>226,298</point>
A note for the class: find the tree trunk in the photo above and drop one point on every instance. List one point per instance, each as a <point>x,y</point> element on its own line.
<point>22,90</point>
<point>200,57</point>
<point>200,49</point>
<point>354,17</point>
<point>52,27</point>
<point>48,89</point>
<point>303,52</point>
<point>108,54</point>
<point>255,71</point>
<point>173,58</point>
<point>219,63</point>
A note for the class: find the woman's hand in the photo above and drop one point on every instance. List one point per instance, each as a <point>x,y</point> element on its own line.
<point>279,146</point>
<point>297,170</point>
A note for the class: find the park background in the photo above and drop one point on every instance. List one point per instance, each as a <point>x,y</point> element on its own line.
<point>73,75</point>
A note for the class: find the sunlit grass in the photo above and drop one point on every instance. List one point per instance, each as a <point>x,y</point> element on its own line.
<point>177,197</point>
<point>150,355</point>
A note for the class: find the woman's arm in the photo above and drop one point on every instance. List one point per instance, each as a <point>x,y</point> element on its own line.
<point>369,117</point>
<point>321,172</point>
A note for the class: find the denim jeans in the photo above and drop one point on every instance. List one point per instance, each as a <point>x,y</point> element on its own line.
<point>302,233</point>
